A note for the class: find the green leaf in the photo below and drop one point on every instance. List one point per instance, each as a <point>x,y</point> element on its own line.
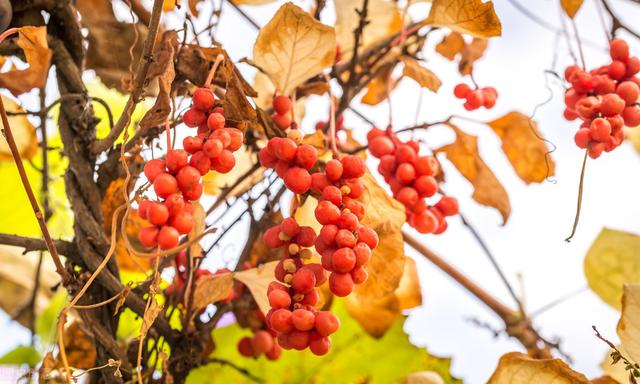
<point>612,261</point>
<point>48,319</point>
<point>20,355</point>
<point>355,357</point>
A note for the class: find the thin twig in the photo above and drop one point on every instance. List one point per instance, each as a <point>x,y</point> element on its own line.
<point>579,206</point>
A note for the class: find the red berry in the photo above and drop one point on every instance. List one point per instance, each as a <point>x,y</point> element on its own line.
<point>279,299</point>
<point>274,353</point>
<point>353,167</point>
<point>345,238</point>
<point>363,254</point>
<point>600,129</point>
<point>187,177</point>
<point>203,99</point>
<point>407,196</point>
<point>143,206</point>
<point>587,107</point>
<point>424,222</point>
<point>612,104</point>
<point>380,146</point>
<point>157,214</point>
<point>367,236</point>
<point>628,91</point>
<point>405,154</point>
<point>333,194</point>
<point>281,321</point>
<point>617,70</point>
<point>290,227</point>
<point>194,118</point>
<point>222,135</point>
<point>426,166</point>
<point>183,222</point>
<point>215,121</point>
<point>318,182</point>
<point>153,168</point>
<point>245,347</point>
<point>326,212</point>
<point>212,148</point>
<point>281,104</point>
<point>192,144</point>
<point>461,91</point>
<point>343,260</point>
<point>333,169</point>
<point>262,342</point>
<point>148,236</point>
<point>475,100</point>
<point>631,116</point>
<point>267,159</point>
<point>176,159</point>
<point>448,205</point>
<point>319,272</point>
<point>165,184</point>
<point>319,345</point>
<point>237,138</point>
<point>304,280</point>
<point>490,96</point>
<point>306,237</point>
<point>619,49</point>
<point>426,186</point>
<point>405,173</point>
<point>633,66</point>
<point>283,148</point>
<point>359,275</point>
<point>282,121</point>
<point>168,237</point>
<point>327,323</point>
<point>223,163</point>
<point>298,180</point>
<point>201,162</point>
<point>298,340</point>
<point>356,188</point>
<point>340,284</point>
<point>306,156</point>
<point>303,320</point>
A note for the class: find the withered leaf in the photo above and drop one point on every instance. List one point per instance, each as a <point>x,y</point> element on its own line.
<point>523,144</point>
<point>451,45</point>
<point>294,47</point>
<point>257,280</point>
<point>518,368</point>
<point>24,133</point>
<point>150,316</point>
<point>409,292</point>
<point>381,86</point>
<point>79,346</point>
<point>472,17</point>
<point>199,216</point>
<point>629,324</point>
<point>470,53</point>
<point>162,68</point>
<point>211,289</point>
<point>423,76</point>
<point>488,190</point>
<point>33,41</point>
<point>571,7</point>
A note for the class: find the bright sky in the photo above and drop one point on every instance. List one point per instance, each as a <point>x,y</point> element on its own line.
<point>531,244</point>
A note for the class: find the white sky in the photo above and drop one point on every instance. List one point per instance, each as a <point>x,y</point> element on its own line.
<point>531,244</point>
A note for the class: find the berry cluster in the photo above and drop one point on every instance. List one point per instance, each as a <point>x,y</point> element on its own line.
<point>177,179</point>
<point>476,98</point>
<point>344,243</point>
<point>282,111</point>
<point>262,342</point>
<point>605,99</point>
<point>293,316</point>
<point>412,179</point>
<point>290,160</point>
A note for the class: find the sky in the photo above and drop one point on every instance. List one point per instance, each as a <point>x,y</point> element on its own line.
<point>530,248</point>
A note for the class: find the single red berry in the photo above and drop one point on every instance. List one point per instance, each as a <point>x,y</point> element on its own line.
<point>298,180</point>
<point>306,156</point>
<point>407,196</point>
<point>461,91</point>
<point>380,146</point>
<point>367,236</point>
<point>153,168</point>
<point>405,173</point>
<point>334,169</point>
<point>343,260</point>
<point>194,118</point>
<point>212,148</point>
<point>611,104</point>
<point>353,167</point>
<point>245,347</point>
<point>448,205</point>
<point>363,254</point>
<point>319,181</point>
<point>600,129</point>
<point>176,159</point>
<point>327,213</point>
<point>304,280</point>
<point>187,177</point>
<point>341,284</point>
<point>619,49</point>
<point>327,323</point>
<point>215,121</point>
<point>319,345</point>
<point>201,162</point>
<point>157,214</point>
<point>148,236</point>
<point>203,99</point>
<point>617,71</point>
<point>237,138</point>
<point>282,121</point>
<point>426,186</point>
<point>303,320</point>
<point>143,207</point>
<point>631,116</point>
<point>281,104</point>
<point>222,135</point>
<point>279,299</point>
<point>298,340</point>
<point>359,275</point>
<point>628,91</point>
<point>183,222</point>
<point>168,237</point>
<point>165,184</point>
<point>192,144</point>
<point>405,154</point>
<point>224,162</point>
<point>262,342</point>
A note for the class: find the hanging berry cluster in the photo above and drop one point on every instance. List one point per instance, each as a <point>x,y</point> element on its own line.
<point>476,98</point>
<point>412,179</point>
<point>605,99</point>
<point>177,179</point>
<point>344,243</point>
<point>262,342</point>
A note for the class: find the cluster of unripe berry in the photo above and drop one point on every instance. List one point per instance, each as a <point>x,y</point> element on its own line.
<point>605,99</point>
<point>177,179</point>
<point>476,98</point>
<point>343,242</point>
<point>411,178</point>
<point>293,316</point>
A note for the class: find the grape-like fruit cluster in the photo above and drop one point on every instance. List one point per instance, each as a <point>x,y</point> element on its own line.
<point>290,160</point>
<point>177,179</point>
<point>476,98</point>
<point>344,243</point>
<point>411,178</point>
<point>605,99</point>
<point>262,342</point>
<point>293,316</point>
<point>282,111</point>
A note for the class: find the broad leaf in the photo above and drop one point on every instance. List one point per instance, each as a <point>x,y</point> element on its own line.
<point>451,45</point>
<point>294,47</point>
<point>257,280</point>
<point>211,289</point>
<point>612,261</point>
<point>33,41</point>
<point>518,368</point>
<point>79,346</point>
<point>47,321</point>
<point>24,133</point>
<point>571,7</point>
<point>629,324</point>
<point>20,355</point>
<point>488,190</point>
<point>473,17</point>
<point>381,86</point>
<point>423,76</point>
<point>524,146</point>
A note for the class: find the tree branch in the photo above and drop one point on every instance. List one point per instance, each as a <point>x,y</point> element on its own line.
<point>32,244</point>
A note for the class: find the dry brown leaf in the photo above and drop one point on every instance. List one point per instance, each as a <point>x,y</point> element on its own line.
<point>423,76</point>
<point>616,370</point>
<point>294,47</point>
<point>518,368</point>
<point>384,19</point>
<point>571,7</point>
<point>33,41</point>
<point>524,146</point>
<point>211,289</point>
<point>193,7</point>
<point>451,45</point>
<point>24,133</point>
<point>470,53</point>
<point>257,280</point>
<point>150,316</point>
<point>161,68</point>
<point>170,5</point>
<point>381,86</point>
<point>629,324</point>
<point>199,224</point>
<point>49,363</point>
<point>386,216</point>
<point>472,17</point>
<point>409,292</point>
<point>79,346</point>
<point>488,190</point>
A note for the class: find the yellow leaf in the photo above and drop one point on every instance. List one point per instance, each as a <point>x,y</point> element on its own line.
<point>215,182</point>
<point>424,377</point>
<point>612,261</point>
<point>472,17</point>
<point>470,53</point>
<point>633,135</point>
<point>257,280</point>
<point>384,20</point>
<point>409,292</point>
<point>294,47</point>
<point>211,289</point>
<point>524,146</point>
<point>617,370</point>
<point>518,368</point>
<point>24,133</point>
<point>488,190</point>
<point>33,41</point>
<point>571,7</point>
<point>423,76</point>
<point>451,45</point>
<point>629,324</point>
<point>169,5</point>
<point>380,87</point>
<point>386,216</point>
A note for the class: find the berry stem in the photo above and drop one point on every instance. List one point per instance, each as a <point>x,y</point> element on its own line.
<point>579,42</point>
<point>213,69</point>
<point>332,121</point>
<point>579,207</point>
